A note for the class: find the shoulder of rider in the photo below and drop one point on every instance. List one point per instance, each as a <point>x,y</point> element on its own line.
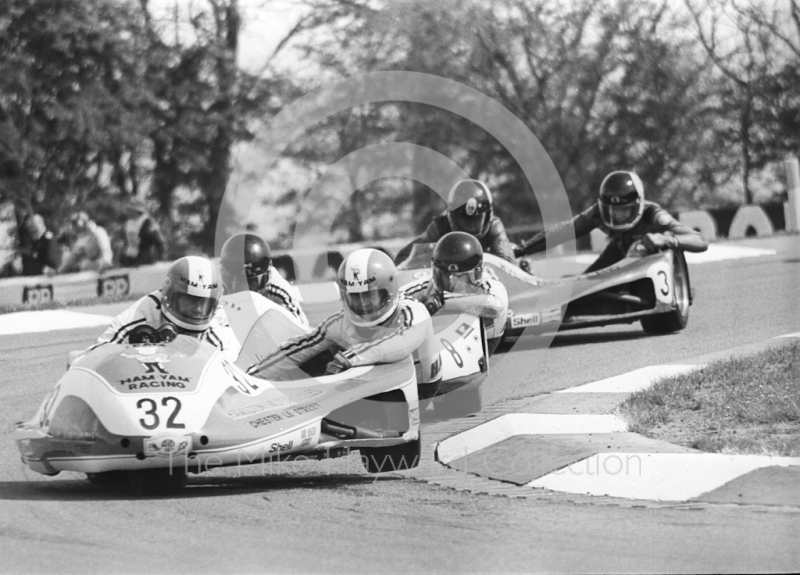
<point>439,226</point>
<point>412,311</point>
<point>655,215</point>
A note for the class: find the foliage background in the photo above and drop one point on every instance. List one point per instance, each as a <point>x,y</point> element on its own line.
<point>104,100</point>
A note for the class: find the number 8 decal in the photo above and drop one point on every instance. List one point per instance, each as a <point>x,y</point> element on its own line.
<point>456,356</point>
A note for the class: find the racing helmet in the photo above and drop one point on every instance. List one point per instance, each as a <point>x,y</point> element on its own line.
<point>457,262</point>
<point>244,261</point>
<point>621,200</point>
<point>469,207</point>
<point>191,293</point>
<point>367,281</point>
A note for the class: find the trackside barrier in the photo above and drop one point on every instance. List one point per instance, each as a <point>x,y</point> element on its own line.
<point>792,207</point>
<point>701,221</point>
<point>86,285</point>
<point>748,217</point>
<point>35,290</point>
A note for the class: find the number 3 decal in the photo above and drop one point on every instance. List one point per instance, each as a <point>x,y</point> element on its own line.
<point>148,423</point>
<point>665,289</point>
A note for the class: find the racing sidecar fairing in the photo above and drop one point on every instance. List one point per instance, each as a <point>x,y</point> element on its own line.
<point>653,289</point>
<point>157,411</point>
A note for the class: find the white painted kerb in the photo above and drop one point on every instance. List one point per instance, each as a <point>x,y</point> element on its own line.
<point>655,476</point>
<point>513,424</point>
<point>632,381</point>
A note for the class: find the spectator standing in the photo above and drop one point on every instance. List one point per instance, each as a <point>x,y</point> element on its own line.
<point>143,242</point>
<point>39,249</point>
<point>92,247</point>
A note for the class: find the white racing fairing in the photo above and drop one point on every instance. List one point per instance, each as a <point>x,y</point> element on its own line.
<point>653,289</point>
<point>128,407</point>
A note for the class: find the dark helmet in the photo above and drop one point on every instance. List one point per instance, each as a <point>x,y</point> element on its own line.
<point>457,259</point>
<point>469,207</point>
<point>246,253</point>
<point>621,200</point>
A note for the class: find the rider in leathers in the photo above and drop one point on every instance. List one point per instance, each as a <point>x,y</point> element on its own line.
<point>376,325</point>
<point>246,263</point>
<point>469,209</point>
<point>623,214</point>
<point>460,283</point>
<point>188,301</point>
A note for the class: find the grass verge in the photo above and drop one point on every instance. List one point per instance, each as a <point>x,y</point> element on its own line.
<point>741,405</point>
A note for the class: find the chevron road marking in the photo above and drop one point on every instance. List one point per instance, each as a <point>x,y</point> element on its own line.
<point>513,424</point>
<point>655,476</point>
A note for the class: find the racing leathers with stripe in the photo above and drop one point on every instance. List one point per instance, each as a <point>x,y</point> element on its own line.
<point>147,311</point>
<point>494,241</point>
<point>489,300</point>
<point>408,331</point>
<point>284,294</point>
<point>654,220</point>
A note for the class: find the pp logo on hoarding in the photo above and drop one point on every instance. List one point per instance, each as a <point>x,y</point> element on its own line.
<point>113,285</point>
<point>37,294</point>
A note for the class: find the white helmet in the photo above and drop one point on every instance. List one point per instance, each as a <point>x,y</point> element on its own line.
<point>191,293</point>
<point>367,282</point>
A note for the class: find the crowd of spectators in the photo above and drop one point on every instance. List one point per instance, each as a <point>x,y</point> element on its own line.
<point>85,245</point>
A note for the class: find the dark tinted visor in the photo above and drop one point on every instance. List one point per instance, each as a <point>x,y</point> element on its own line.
<point>470,224</point>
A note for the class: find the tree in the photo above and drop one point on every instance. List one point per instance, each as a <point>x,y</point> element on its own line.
<point>603,87</point>
<point>71,96</point>
<point>751,58</point>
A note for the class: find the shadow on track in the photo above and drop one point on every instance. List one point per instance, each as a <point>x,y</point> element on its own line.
<point>197,487</point>
<point>566,339</point>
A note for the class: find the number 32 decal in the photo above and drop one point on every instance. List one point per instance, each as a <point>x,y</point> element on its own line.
<point>152,420</point>
<point>665,289</point>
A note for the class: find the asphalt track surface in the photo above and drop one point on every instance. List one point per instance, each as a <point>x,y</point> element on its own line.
<point>332,517</point>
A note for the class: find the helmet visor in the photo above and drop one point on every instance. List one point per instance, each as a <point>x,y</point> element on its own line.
<point>193,309</point>
<point>368,305</point>
<point>620,212</point>
<point>473,224</point>
<point>242,281</point>
<point>457,282</point>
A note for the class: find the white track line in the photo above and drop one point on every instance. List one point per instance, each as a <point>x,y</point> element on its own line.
<point>718,253</point>
<point>48,320</point>
<point>512,424</point>
<point>635,380</point>
<point>655,476</point>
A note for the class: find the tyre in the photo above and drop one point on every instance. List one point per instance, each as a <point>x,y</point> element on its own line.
<point>162,481</point>
<point>394,458</point>
<point>676,319</point>
<point>459,403</point>
<point>107,478</point>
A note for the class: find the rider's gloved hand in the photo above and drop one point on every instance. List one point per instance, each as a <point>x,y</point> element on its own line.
<point>339,364</point>
<point>434,302</point>
<point>659,242</point>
